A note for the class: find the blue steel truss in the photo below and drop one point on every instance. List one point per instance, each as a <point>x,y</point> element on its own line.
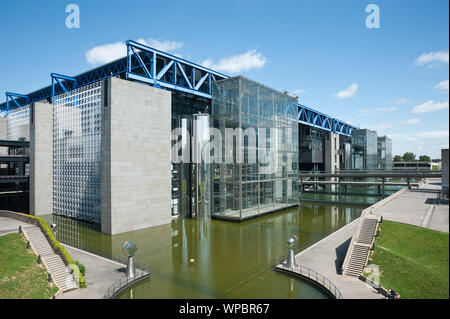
<point>165,70</point>
<point>19,100</point>
<point>159,69</point>
<point>322,121</point>
<point>69,83</point>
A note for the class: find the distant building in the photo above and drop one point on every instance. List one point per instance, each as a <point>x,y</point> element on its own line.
<point>412,165</point>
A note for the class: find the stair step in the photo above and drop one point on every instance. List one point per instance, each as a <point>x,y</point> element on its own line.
<point>55,265</point>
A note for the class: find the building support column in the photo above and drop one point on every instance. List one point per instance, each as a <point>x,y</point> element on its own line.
<point>41,159</point>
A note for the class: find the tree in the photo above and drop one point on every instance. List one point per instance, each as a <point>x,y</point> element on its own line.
<point>424,158</point>
<point>408,157</point>
<point>398,158</point>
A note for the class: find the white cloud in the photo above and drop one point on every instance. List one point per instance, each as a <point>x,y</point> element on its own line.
<point>400,101</point>
<point>247,61</point>
<point>433,59</point>
<point>298,91</point>
<point>106,53</point>
<point>427,142</point>
<point>433,134</point>
<point>411,122</point>
<point>443,85</point>
<point>350,91</point>
<point>112,51</point>
<point>386,109</point>
<point>381,127</point>
<point>430,106</point>
<point>377,110</point>
<point>166,46</point>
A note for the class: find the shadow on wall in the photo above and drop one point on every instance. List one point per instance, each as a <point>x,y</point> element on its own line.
<point>341,251</point>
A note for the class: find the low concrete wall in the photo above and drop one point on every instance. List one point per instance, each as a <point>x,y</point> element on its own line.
<point>22,218</point>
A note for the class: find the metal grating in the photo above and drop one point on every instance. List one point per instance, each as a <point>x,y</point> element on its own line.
<point>76,153</point>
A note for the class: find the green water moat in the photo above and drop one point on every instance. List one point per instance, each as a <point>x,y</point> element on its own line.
<point>216,259</point>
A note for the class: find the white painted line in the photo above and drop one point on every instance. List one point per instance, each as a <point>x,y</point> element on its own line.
<point>426,219</point>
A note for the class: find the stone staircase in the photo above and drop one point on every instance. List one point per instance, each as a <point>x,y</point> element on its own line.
<point>53,262</point>
<point>358,253</point>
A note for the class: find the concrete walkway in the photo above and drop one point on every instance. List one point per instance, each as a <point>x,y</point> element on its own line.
<point>101,273</point>
<point>418,207</point>
<point>327,256</point>
<point>9,225</point>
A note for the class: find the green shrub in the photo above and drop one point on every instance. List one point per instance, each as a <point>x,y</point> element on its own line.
<point>81,267</point>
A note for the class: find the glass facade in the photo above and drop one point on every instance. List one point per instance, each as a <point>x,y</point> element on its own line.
<point>18,124</point>
<point>311,147</point>
<point>384,153</point>
<point>256,171</point>
<point>345,146</point>
<point>77,119</point>
<point>185,187</point>
<point>364,150</point>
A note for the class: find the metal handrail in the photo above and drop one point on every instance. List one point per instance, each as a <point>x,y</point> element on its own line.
<point>142,271</point>
<point>311,274</point>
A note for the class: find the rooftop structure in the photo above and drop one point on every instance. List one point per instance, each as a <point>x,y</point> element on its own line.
<point>161,70</point>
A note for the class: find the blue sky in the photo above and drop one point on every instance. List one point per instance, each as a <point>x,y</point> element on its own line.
<point>393,79</point>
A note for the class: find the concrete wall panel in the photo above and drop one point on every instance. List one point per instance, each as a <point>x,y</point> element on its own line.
<point>136,171</point>
<point>41,157</point>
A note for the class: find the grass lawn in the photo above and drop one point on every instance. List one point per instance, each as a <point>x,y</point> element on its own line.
<point>20,275</point>
<point>413,260</point>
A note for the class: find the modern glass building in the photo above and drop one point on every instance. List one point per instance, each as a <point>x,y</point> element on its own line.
<point>107,150</point>
<point>384,153</point>
<point>256,171</point>
<point>364,149</point>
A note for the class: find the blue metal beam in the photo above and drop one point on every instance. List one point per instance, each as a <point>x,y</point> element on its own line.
<point>11,97</point>
<point>322,121</point>
<point>69,83</point>
<point>169,65</point>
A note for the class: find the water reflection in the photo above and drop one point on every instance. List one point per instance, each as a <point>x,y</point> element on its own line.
<point>216,259</point>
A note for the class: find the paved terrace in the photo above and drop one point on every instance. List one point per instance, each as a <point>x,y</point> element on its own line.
<point>101,273</point>
<point>419,207</point>
<point>327,256</point>
<point>8,225</point>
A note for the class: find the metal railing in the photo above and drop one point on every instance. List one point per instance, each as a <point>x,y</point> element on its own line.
<point>142,272</point>
<point>310,274</point>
